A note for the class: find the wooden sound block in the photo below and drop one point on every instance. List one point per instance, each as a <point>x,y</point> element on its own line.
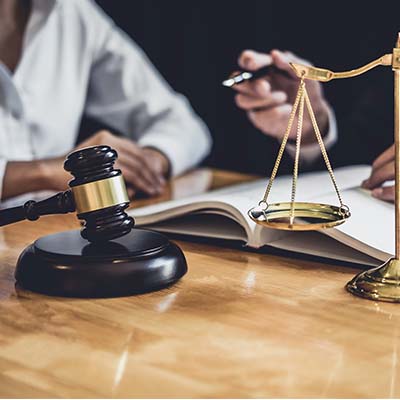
<point>64,264</point>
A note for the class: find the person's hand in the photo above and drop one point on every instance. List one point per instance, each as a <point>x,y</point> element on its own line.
<point>383,170</point>
<point>268,102</point>
<point>144,169</point>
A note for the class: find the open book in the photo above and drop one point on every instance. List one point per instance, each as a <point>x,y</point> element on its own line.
<point>367,238</point>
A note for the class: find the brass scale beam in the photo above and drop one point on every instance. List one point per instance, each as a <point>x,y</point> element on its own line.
<point>382,283</point>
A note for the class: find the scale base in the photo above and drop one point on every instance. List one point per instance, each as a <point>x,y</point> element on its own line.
<point>380,284</point>
<point>64,264</point>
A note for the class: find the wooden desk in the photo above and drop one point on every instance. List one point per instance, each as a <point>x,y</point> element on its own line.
<point>239,324</point>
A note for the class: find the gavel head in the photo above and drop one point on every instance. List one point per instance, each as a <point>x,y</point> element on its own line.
<point>99,193</point>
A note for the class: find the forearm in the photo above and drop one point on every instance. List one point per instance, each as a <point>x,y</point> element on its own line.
<point>30,176</point>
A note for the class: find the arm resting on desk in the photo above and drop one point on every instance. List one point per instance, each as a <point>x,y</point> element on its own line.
<point>19,177</point>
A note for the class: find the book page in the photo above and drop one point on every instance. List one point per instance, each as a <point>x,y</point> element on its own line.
<point>205,224</point>
<point>370,228</point>
<point>315,187</point>
<point>233,201</point>
<point>316,244</point>
<point>245,196</point>
<point>236,200</point>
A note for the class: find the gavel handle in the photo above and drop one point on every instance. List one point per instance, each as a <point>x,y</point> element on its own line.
<point>61,203</point>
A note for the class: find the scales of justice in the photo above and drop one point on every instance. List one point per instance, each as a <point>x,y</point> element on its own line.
<point>382,283</point>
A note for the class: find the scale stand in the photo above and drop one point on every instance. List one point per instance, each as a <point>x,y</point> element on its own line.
<point>381,283</point>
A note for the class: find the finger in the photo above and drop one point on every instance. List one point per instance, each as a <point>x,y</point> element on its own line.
<point>154,166</point>
<point>251,103</point>
<point>132,163</point>
<point>258,88</point>
<point>131,192</point>
<point>294,58</point>
<point>283,60</point>
<point>386,193</point>
<point>134,157</point>
<point>151,174</point>
<point>130,156</point>
<point>251,60</point>
<point>138,183</point>
<point>385,157</point>
<point>136,178</point>
<point>272,121</point>
<point>379,176</point>
<point>100,138</point>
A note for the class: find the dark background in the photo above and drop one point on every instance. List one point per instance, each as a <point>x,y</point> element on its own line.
<point>195,45</point>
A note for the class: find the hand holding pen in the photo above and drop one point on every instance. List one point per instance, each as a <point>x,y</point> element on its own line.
<point>267,95</point>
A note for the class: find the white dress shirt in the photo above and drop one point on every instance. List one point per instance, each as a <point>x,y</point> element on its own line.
<point>76,61</point>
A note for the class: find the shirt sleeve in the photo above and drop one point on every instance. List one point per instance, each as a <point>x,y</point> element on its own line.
<point>128,94</point>
<point>311,152</point>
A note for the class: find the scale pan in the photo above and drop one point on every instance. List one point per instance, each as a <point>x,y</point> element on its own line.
<point>307,216</point>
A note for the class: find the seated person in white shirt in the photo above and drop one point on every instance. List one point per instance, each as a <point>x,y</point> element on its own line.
<point>268,104</point>
<point>62,59</point>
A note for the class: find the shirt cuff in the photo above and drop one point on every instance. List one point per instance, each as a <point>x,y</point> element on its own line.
<point>311,152</point>
<point>179,156</point>
<point>3,164</point>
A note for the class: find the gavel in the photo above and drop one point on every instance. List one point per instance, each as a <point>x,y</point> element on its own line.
<point>97,194</point>
<point>108,257</point>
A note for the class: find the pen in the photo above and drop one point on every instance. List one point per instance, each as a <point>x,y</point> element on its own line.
<point>253,75</point>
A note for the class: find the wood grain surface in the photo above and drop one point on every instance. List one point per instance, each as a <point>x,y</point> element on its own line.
<point>239,324</point>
